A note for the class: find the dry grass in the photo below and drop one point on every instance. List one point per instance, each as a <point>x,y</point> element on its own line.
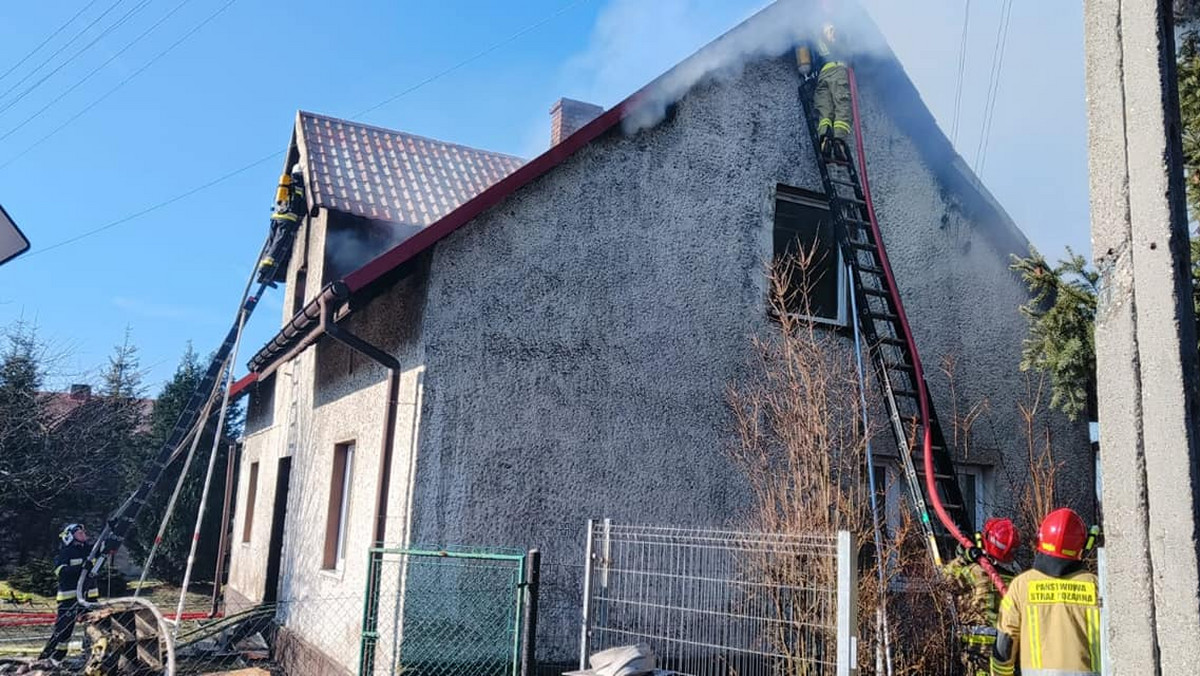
<point>802,446</point>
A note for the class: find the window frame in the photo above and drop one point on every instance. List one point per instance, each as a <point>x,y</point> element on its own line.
<point>808,198</point>
<point>251,501</point>
<point>337,517</point>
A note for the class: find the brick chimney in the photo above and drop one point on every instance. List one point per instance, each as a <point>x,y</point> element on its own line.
<point>567,116</point>
<point>81,392</point>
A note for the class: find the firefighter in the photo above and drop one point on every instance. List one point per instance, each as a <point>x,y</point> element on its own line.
<point>1050,618</point>
<point>68,565</point>
<point>831,98</point>
<point>998,541</point>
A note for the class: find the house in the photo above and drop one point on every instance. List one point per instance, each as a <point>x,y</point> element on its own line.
<point>478,350</point>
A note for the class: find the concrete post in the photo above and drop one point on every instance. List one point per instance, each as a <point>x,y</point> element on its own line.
<point>1145,339</point>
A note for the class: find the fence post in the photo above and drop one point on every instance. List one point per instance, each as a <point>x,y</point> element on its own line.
<point>370,624</point>
<point>533,575</point>
<point>588,565</point>
<point>847,605</point>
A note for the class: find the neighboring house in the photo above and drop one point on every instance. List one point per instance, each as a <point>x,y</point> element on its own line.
<point>60,405</point>
<point>564,330</point>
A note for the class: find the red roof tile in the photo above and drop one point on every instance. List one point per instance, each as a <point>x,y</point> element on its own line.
<point>388,175</point>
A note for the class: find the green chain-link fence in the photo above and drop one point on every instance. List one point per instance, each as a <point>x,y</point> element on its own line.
<point>430,611</point>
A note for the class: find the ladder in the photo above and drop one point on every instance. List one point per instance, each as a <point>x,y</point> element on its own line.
<point>290,207</point>
<point>879,313</point>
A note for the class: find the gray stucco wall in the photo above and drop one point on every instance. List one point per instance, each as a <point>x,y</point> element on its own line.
<point>579,337</point>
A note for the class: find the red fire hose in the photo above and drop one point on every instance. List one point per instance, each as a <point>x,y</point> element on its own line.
<point>922,393</point>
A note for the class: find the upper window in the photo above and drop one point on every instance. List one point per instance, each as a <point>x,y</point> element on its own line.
<point>804,237</point>
<point>260,413</point>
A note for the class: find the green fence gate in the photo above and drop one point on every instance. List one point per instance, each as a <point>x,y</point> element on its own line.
<point>440,612</point>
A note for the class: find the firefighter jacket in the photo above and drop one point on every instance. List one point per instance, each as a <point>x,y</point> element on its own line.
<point>968,578</point>
<point>1052,625</point>
<point>68,564</point>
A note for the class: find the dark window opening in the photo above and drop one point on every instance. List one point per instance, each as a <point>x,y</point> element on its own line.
<point>299,290</point>
<point>804,232</point>
<point>260,413</point>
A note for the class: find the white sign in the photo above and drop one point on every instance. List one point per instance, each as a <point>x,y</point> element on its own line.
<point>12,242</point>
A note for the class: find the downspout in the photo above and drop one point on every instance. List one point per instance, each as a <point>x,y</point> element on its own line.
<point>374,570</point>
<point>389,417</point>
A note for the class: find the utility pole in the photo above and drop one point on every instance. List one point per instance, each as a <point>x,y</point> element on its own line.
<point>1145,339</point>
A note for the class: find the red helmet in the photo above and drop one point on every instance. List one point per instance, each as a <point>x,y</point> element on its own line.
<point>1001,540</point>
<point>1062,535</point>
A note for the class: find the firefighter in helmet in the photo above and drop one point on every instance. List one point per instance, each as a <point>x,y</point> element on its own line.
<point>831,96</point>
<point>1050,618</point>
<point>68,565</point>
<point>979,601</point>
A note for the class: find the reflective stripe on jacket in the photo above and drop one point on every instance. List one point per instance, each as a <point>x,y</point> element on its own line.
<point>68,565</point>
<point>1054,624</point>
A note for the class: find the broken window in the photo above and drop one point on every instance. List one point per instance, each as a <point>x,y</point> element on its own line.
<point>339,506</point>
<point>251,495</point>
<point>805,243</point>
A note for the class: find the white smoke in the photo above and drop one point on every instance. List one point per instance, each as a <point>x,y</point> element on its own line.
<point>349,248</point>
<point>632,37</point>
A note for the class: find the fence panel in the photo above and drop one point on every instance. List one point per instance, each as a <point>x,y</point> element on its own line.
<point>442,612</point>
<point>712,602</point>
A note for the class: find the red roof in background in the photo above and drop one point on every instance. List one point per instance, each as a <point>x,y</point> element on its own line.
<point>388,175</point>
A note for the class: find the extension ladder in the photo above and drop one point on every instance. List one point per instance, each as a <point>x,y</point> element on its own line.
<point>880,320</point>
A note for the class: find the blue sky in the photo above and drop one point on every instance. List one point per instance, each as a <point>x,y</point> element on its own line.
<point>227,95</point>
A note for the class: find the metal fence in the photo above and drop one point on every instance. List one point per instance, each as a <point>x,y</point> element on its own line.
<point>714,602</point>
<point>432,611</point>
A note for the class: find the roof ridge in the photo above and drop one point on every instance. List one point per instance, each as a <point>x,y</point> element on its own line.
<point>363,125</point>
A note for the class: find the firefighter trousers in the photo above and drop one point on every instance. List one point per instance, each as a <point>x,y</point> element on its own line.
<point>64,626</point>
<point>832,100</point>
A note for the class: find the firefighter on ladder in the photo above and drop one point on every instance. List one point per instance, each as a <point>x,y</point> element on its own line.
<point>831,96</point>
<point>68,565</point>
<point>1050,618</point>
<point>998,541</point>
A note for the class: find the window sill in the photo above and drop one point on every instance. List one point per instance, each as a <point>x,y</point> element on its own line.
<point>333,573</point>
<point>821,321</point>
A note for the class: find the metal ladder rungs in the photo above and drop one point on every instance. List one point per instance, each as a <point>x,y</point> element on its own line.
<point>878,293</point>
<point>883,316</point>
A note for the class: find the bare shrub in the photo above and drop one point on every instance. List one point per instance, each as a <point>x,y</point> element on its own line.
<point>802,446</point>
<point>1038,493</point>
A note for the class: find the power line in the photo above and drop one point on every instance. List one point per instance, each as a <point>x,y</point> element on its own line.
<point>62,48</point>
<point>228,175</point>
<point>152,208</point>
<point>115,25</point>
<point>120,84</point>
<point>224,177</point>
<point>521,33</point>
<point>993,84</point>
<point>962,65</point>
<point>97,69</point>
<point>48,39</point>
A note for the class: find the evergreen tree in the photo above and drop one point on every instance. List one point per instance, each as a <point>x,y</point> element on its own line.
<point>171,557</point>
<point>27,482</point>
